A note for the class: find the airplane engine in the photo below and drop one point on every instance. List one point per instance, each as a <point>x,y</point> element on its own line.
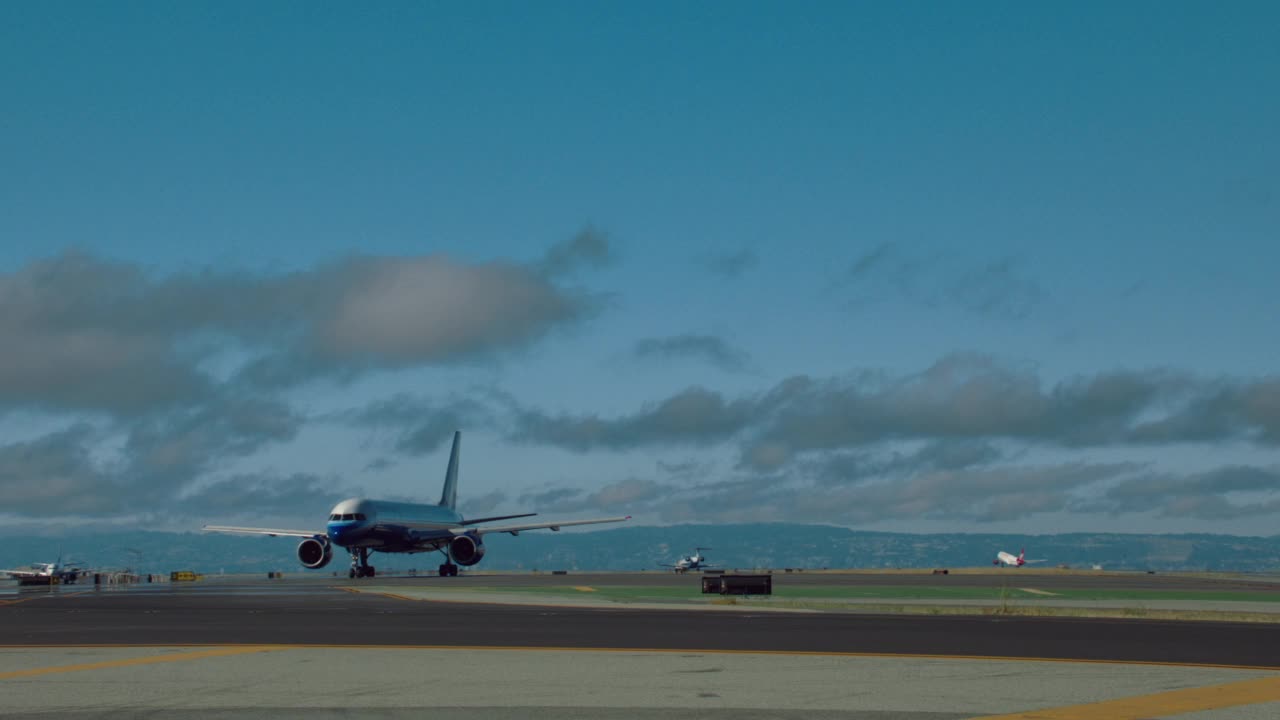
<point>466,550</point>
<point>314,553</point>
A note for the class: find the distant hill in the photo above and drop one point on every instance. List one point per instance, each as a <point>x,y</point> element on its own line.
<point>642,548</point>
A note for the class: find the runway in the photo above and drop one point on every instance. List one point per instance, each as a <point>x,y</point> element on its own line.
<point>313,614</point>
<point>320,647</point>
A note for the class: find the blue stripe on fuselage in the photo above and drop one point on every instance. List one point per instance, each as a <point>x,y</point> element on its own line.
<point>345,532</point>
<point>390,526</point>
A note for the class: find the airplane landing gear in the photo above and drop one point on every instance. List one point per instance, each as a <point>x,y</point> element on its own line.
<point>448,569</point>
<point>360,567</point>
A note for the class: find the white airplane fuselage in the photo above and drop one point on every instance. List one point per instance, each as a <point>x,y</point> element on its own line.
<point>1006,559</point>
<point>389,526</point>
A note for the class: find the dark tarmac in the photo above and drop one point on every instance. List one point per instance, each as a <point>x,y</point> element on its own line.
<point>318,611</point>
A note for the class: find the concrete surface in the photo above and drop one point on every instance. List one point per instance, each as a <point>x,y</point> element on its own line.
<point>544,684</point>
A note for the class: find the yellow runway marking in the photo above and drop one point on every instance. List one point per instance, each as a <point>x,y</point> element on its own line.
<point>659,651</point>
<point>1174,702</point>
<point>358,591</point>
<point>151,660</point>
<point>1033,591</point>
<point>584,588</point>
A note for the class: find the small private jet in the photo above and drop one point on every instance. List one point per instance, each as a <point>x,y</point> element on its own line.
<point>361,526</point>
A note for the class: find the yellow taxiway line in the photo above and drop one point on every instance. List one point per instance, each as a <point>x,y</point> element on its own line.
<point>150,660</point>
<point>1173,702</point>
<point>656,651</point>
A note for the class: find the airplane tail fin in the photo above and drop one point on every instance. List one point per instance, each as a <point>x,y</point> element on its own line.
<point>449,497</point>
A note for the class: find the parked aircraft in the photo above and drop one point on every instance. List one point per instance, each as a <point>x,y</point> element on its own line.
<point>361,525</point>
<point>696,561</point>
<point>54,573</point>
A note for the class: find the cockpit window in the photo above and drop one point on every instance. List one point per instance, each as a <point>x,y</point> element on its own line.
<point>348,516</point>
<point>335,517</point>
<point>360,516</point>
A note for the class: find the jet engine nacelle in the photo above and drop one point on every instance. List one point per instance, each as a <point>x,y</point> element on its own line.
<point>466,550</point>
<point>314,553</point>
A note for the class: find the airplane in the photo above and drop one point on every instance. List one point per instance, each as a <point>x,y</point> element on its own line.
<point>361,525</point>
<point>54,573</point>
<point>696,561</point>
<point>1004,558</point>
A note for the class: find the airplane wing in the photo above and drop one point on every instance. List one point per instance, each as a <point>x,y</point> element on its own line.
<point>260,531</point>
<point>473,521</point>
<point>517,529</point>
<point>21,573</point>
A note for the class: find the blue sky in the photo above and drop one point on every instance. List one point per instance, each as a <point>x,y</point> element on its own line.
<point>918,267</point>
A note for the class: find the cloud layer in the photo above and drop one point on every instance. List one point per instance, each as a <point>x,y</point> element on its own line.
<point>164,379</point>
<point>84,333</point>
<point>164,382</point>
<point>957,440</point>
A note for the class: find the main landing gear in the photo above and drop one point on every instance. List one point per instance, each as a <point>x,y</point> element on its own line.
<point>448,569</point>
<point>360,567</point>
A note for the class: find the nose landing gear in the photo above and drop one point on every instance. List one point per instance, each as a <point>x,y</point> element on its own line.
<point>360,567</point>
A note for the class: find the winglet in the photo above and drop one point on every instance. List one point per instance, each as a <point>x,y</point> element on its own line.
<point>449,496</point>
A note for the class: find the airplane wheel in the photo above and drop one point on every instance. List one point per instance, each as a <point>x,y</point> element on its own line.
<point>372,572</point>
<point>351,573</point>
<point>444,571</point>
<point>453,570</point>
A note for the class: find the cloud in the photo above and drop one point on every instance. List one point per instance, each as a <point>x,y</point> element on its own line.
<point>731,265</point>
<point>56,475</point>
<point>183,372</point>
<point>978,494</point>
<point>1205,495</point>
<point>420,425</point>
<point>549,498</point>
<point>259,495</point>
<point>964,401</point>
<point>170,449</point>
<point>483,504</point>
<point>970,396</point>
<point>694,416</point>
<point>962,407</point>
<point>993,288</point>
<point>69,472</point>
<point>386,313</point>
<point>83,333</point>
<point>590,247</point>
<point>712,349</point>
<point>869,260</point>
<point>997,288</point>
<point>847,467</point>
<point>77,334</point>
<point>628,495</point>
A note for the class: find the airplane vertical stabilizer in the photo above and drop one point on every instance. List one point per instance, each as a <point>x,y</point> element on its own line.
<point>449,497</point>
